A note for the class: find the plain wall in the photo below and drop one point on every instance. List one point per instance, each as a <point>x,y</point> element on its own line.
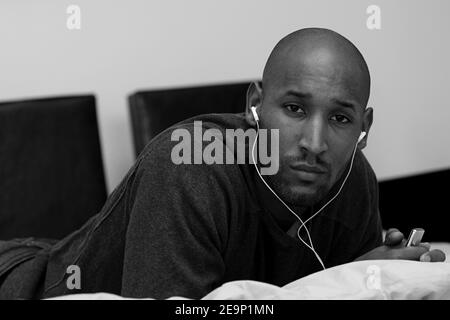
<point>128,45</point>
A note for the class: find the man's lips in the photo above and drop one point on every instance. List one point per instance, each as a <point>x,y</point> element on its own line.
<point>308,168</point>
<point>307,172</point>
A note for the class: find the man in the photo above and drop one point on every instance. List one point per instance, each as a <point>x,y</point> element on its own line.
<point>184,229</point>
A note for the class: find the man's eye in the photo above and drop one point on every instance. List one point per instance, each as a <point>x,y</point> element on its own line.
<point>294,108</point>
<point>340,118</point>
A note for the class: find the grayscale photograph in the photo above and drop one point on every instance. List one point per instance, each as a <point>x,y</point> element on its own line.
<point>224,156</point>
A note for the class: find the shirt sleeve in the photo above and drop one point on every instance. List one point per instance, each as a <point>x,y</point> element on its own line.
<point>178,226</point>
<point>359,226</point>
<point>373,236</point>
<point>370,227</point>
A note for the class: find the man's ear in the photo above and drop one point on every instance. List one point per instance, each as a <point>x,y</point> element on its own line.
<point>367,123</point>
<point>254,99</point>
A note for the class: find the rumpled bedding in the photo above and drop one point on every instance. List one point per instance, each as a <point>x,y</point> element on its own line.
<point>371,279</point>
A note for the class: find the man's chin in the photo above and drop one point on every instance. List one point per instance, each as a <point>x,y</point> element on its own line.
<point>304,195</point>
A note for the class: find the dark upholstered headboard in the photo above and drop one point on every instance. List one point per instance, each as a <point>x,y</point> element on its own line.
<point>51,168</point>
<point>418,201</point>
<point>153,111</point>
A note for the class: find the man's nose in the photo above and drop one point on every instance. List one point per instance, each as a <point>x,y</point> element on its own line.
<point>313,138</point>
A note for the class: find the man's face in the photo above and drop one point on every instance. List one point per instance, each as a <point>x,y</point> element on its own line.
<point>319,112</point>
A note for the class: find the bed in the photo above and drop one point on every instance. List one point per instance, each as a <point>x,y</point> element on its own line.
<point>368,280</point>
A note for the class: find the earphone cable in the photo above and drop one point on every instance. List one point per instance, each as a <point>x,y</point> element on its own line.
<point>301,221</point>
<point>303,224</point>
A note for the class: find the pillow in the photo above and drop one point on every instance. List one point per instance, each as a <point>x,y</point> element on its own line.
<point>370,279</point>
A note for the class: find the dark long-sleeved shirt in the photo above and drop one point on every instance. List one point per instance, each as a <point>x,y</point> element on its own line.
<point>183,230</point>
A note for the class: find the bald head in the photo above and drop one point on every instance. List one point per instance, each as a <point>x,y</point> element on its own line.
<point>315,92</point>
<point>319,53</point>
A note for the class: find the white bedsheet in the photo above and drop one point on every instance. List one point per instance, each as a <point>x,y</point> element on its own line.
<point>373,279</point>
<point>376,279</point>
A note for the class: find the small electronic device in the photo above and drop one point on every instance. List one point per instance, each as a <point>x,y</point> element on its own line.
<point>415,236</point>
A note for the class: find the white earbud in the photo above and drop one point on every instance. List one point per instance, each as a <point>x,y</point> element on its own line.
<point>255,114</point>
<point>361,136</point>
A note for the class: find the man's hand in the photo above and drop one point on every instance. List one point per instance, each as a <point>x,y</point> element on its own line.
<point>394,248</point>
